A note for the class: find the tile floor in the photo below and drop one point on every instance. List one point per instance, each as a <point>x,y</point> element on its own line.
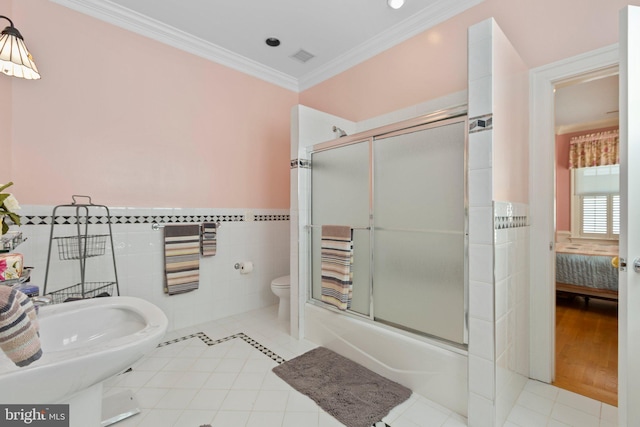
<point>219,373</point>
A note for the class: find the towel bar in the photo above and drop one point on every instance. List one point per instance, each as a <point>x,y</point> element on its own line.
<point>355,228</point>
<point>155,226</point>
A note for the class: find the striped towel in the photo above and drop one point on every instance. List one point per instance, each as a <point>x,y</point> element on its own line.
<point>336,255</point>
<point>18,333</point>
<point>181,258</point>
<point>208,238</point>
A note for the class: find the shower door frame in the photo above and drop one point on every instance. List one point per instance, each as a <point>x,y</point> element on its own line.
<point>435,119</point>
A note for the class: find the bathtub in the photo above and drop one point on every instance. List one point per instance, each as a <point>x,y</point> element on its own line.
<point>429,369</point>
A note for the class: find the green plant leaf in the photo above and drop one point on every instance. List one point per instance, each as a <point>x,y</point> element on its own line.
<point>5,227</point>
<point>14,217</point>
<point>6,186</point>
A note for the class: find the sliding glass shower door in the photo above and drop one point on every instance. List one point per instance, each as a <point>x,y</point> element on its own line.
<point>419,230</point>
<point>404,194</point>
<point>340,196</point>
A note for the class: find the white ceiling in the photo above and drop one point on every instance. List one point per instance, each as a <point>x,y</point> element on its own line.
<point>589,103</point>
<point>339,33</point>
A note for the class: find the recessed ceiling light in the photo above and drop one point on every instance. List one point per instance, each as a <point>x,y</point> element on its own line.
<point>272,41</point>
<point>395,4</point>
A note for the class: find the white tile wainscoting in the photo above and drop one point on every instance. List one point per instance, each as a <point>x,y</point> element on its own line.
<point>257,235</point>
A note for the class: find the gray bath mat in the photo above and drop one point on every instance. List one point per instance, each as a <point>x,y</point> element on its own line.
<point>354,395</point>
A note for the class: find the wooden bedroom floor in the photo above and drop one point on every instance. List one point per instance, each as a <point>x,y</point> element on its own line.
<point>587,348</point>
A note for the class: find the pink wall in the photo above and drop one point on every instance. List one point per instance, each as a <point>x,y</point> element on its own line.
<point>5,129</point>
<point>5,110</point>
<point>133,122</point>
<point>563,177</point>
<point>434,63</point>
<point>510,96</point>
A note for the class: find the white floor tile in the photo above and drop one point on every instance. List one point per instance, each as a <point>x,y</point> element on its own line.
<point>230,418</point>
<point>271,400</point>
<point>220,381</point>
<point>573,417</point>
<point>297,419</point>
<point>265,419</point>
<point>239,400</point>
<point>160,418</point>
<point>190,383</point>
<point>424,415</point>
<point>195,418</point>
<point>208,399</point>
<point>535,402</point>
<point>524,417</point>
<point>176,399</point>
<point>579,402</point>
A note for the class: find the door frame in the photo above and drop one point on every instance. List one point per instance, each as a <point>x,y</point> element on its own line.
<point>542,206</point>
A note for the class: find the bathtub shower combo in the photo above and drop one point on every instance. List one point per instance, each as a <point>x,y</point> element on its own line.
<point>403,191</point>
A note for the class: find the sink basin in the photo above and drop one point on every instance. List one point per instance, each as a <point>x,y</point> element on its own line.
<point>83,343</point>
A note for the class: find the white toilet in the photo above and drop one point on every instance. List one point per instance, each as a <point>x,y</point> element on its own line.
<point>281,287</point>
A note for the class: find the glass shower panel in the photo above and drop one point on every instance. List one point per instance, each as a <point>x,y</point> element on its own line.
<point>340,196</point>
<point>419,231</point>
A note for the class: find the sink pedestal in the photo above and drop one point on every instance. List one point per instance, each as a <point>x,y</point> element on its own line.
<point>85,407</point>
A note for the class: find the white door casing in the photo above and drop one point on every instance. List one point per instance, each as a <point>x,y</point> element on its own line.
<point>542,204</point>
<point>629,279</point>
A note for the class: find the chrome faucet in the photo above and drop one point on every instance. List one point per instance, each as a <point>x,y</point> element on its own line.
<point>40,301</point>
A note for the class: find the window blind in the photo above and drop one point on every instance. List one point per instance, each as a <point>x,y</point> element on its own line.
<point>594,214</point>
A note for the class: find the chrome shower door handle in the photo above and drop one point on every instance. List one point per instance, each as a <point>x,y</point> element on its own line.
<point>636,265</point>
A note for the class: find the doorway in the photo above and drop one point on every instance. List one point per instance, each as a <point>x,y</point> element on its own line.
<point>586,237</point>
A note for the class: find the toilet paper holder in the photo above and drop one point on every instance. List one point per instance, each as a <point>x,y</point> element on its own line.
<point>239,265</point>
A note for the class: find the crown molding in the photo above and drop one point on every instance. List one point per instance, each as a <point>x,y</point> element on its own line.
<point>429,17</point>
<point>115,14</point>
<point>120,16</point>
<point>579,127</point>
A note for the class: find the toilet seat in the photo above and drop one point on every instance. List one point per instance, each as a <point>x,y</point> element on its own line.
<point>281,282</point>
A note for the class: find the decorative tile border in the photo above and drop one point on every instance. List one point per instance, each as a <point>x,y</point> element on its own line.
<point>146,219</point>
<point>210,342</point>
<point>502,222</point>
<point>300,163</point>
<point>481,123</point>
<point>510,215</point>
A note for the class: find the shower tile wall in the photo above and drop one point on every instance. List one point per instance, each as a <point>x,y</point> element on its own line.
<point>223,291</point>
<point>498,234</point>
<point>482,357</point>
<point>511,270</point>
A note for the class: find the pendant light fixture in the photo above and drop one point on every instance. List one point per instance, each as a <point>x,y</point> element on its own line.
<point>15,59</point>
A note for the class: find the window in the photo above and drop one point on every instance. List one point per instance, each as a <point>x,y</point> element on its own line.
<point>596,202</point>
<point>600,215</point>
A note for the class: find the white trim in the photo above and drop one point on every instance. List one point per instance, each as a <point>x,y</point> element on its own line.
<point>542,183</point>
<point>429,17</point>
<point>578,127</point>
<point>123,17</point>
<point>156,30</point>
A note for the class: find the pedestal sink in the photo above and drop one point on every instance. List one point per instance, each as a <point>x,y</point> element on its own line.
<point>84,343</point>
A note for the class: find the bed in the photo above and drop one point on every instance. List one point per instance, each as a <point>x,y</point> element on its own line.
<point>587,270</point>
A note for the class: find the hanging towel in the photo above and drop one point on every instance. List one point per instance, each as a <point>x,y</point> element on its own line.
<point>208,238</point>
<point>336,255</point>
<point>18,334</point>
<point>181,258</point>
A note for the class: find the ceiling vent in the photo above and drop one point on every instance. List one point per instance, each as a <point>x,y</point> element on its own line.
<point>302,56</point>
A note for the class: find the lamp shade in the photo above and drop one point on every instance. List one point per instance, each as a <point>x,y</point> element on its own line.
<point>15,59</point>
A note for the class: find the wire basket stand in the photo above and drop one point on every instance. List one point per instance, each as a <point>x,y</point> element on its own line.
<point>80,247</point>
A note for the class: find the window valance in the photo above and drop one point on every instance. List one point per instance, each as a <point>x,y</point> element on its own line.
<point>594,149</point>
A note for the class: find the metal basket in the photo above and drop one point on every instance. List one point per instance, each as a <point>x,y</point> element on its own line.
<point>91,290</point>
<point>72,247</point>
